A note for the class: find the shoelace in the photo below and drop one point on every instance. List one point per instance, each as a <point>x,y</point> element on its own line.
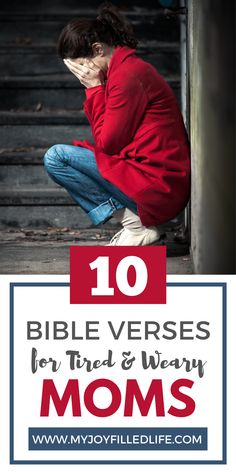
<point>116,237</point>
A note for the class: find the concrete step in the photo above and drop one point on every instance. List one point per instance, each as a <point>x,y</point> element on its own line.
<point>44,117</point>
<point>43,216</point>
<point>47,206</point>
<point>13,177</point>
<point>44,59</point>
<point>42,28</point>
<point>58,5</point>
<point>21,156</point>
<point>55,91</point>
<point>41,136</point>
<point>28,94</point>
<point>57,216</point>
<point>34,195</point>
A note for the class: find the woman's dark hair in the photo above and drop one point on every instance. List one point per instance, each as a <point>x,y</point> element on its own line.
<point>110,27</point>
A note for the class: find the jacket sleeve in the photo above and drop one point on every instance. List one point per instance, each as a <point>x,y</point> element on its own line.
<point>115,121</point>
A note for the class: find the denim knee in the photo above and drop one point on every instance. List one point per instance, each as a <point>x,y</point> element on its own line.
<point>53,158</point>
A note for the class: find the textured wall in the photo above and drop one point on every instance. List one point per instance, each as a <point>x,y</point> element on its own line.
<point>212,130</point>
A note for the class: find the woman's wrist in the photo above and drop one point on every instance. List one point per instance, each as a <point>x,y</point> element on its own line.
<point>94,83</point>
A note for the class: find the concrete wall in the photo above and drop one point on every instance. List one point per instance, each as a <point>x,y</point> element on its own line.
<point>212,132</point>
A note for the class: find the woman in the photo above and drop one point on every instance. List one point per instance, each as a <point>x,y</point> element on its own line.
<point>138,168</point>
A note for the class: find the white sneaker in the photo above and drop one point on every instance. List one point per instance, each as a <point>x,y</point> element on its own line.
<point>125,237</point>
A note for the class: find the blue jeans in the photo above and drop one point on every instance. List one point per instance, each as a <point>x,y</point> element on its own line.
<point>75,169</point>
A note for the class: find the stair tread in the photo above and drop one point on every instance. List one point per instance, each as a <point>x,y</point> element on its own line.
<point>22,156</point>
<point>43,216</point>
<point>42,136</point>
<point>145,50</point>
<point>50,80</point>
<point>64,14</point>
<point>153,44</point>
<point>43,60</point>
<point>42,117</point>
<point>29,189</point>
<point>22,29</point>
<point>20,152</point>
<point>30,195</point>
<point>53,80</point>
<point>45,112</point>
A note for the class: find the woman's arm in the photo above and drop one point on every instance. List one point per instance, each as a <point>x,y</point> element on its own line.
<point>115,123</point>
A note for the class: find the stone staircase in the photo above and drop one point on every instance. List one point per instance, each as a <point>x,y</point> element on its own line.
<point>41,103</point>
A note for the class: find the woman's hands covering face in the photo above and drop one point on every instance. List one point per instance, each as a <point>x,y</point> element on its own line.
<point>88,73</point>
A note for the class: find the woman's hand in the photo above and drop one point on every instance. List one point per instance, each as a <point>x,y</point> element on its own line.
<point>88,73</point>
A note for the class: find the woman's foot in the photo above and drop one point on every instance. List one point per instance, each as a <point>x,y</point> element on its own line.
<point>133,232</point>
<point>125,237</point>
